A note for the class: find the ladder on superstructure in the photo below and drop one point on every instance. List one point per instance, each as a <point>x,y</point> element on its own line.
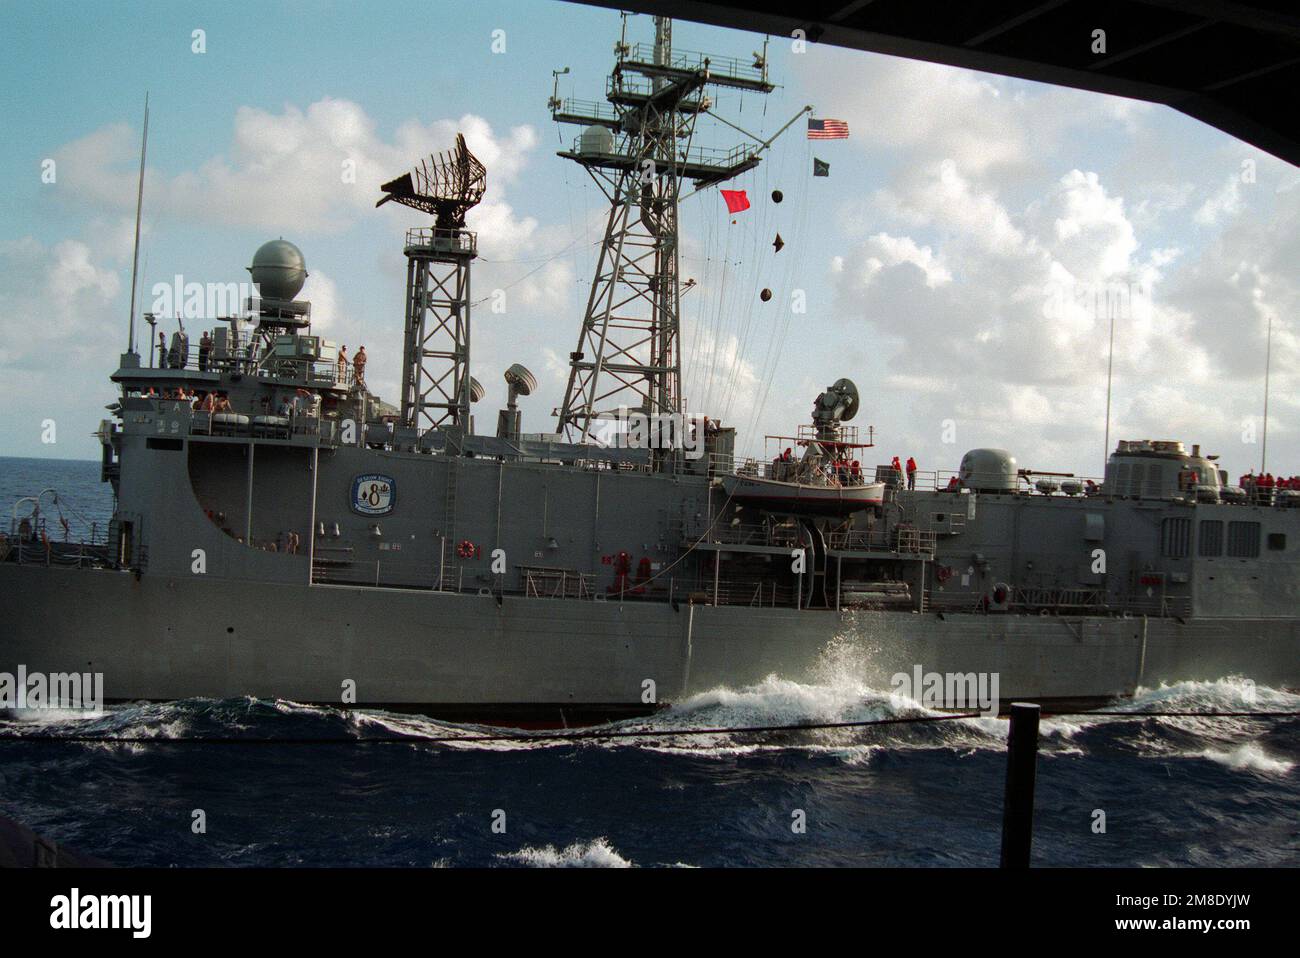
<point>449,544</point>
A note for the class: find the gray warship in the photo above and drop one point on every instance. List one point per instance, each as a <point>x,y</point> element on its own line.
<point>280,532</point>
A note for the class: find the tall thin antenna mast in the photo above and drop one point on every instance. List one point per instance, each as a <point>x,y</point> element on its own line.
<point>1268,363</point>
<point>1110,368</point>
<point>139,207</point>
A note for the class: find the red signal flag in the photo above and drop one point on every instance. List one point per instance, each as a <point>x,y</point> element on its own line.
<point>736,200</point>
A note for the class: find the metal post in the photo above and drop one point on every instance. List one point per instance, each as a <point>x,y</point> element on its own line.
<point>311,529</point>
<point>1018,803</point>
<point>248,500</point>
<point>135,256</point>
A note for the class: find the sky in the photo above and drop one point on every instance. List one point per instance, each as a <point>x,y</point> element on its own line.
<point>962,263</point>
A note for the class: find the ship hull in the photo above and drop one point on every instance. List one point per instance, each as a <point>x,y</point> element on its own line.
<point>534,661</point>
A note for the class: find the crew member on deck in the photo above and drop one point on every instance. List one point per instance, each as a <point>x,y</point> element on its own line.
<point>359,366</point>
<point>205,350</point>
<point>343,364</point>
<point>784,462</point>
<point>911,473</point>
<point>162,350</point>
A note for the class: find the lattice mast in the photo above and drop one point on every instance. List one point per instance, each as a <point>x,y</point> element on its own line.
<point>638,147</point>
<point>436,384</point>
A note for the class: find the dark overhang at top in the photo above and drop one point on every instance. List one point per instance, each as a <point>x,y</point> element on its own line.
<point>1233,65</point>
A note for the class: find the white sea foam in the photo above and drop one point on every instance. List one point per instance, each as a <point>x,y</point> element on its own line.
<point>778,702</point>
<point>1228,694</point>
<point>1250,757</point>
<point>597,853</point>
<point>52,717</point>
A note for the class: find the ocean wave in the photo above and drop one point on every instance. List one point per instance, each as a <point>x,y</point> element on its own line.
<point>776,703</point>
<point>1249,756</point>
<point>1230,741</point>
<point>739,721</point>
<point>597,853</point>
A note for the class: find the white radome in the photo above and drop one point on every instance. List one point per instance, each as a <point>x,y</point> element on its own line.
<point>279,270</point>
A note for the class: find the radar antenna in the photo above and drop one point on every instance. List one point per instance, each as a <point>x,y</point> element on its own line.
<point>446,186</point>
<point>836,405</point>
<point>436,386</point>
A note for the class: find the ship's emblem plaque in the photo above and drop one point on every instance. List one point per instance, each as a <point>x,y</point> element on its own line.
<point>373,494</point>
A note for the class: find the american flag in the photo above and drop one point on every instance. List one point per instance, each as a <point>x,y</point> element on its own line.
<point>828,130</point>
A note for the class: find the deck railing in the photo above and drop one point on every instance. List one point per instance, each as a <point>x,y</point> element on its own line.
<point>690,61</point>
<point>245,354</point>
<point>896,540</point>
<point>442,240</point>
<point>748,591</point>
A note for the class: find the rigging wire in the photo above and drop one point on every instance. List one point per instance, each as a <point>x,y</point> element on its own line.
<point>740,355</point>
<point>794,268</point>
<point>515,282</point>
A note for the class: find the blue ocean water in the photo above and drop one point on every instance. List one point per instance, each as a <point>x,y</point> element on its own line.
<point>1174,791</point>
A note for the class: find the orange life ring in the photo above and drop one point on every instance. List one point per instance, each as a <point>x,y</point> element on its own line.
<point>466,549</point>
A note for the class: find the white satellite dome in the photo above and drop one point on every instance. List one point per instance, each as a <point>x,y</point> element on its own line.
<point>596,139</point>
